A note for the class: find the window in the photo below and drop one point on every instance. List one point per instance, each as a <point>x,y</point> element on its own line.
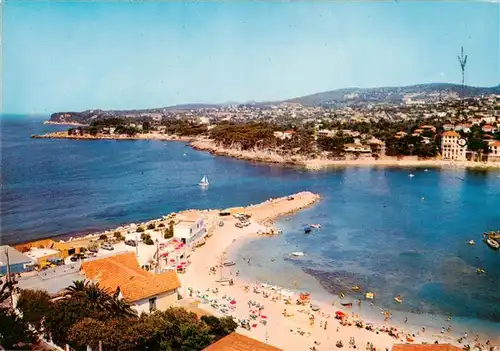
<point>152,304</point>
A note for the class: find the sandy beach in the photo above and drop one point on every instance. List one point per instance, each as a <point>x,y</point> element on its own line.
<point>288,326</point>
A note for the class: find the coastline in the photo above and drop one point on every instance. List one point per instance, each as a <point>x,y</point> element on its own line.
<point>76,124</point>
<point>283,331</point>
<point>280,330</point>
<point>270,157</point>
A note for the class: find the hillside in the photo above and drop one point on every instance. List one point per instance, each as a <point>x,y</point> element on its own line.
<point>334,99</point>
<point>361,96</point>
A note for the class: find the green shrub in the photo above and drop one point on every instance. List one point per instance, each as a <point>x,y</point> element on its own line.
<point>103,237</point>
<point>151,226</point>
<point>140,230</point>
<point>148,241</point>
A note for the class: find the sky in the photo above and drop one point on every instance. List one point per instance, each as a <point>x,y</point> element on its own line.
<point>72,56</point>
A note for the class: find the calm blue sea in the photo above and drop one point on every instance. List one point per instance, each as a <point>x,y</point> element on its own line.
<point>381,229</point>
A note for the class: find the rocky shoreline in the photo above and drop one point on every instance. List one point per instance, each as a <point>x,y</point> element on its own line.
<point>270,156</point>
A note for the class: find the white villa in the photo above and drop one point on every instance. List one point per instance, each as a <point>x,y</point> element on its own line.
<point>190,228</point>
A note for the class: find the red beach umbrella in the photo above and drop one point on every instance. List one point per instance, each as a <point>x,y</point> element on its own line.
<point>340,314</point>
<point>172,260</point>
<point>233,302</point>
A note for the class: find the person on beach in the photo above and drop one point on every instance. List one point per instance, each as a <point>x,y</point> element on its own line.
<point>406,320</point>
<point>326,323</point>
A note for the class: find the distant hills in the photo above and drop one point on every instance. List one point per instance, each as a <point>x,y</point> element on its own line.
<point>360,96</point>
<point>357,97</point>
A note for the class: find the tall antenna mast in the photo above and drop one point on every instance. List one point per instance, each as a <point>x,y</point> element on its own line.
<point>463,62</point>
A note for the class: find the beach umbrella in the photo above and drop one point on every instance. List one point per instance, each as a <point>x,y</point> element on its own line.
<point>172,260</point>
<point>233,302</point>
<point>340,314</point>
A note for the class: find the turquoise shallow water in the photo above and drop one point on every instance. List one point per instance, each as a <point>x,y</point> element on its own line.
<point>380,228</point>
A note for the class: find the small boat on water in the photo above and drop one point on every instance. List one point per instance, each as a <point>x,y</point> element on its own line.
<point>493,244</point>
<point>204,181</point>
<point>307,229</point>
<point>342,295</point>
<point>228,264</point>
<point>315,226</point>
<point>411,175</point>
<point>355,288</point>
<point>480,271</point>
<point>471,242</point>
<point>398,299</point>
<point>297,254</point>
<point>369,295</point>
<point>347,304</point>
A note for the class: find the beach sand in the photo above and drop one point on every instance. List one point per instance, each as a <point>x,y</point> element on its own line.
<point>294,332</point>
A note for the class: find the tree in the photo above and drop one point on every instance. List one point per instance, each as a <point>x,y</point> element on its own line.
<point>118,235</point>
<point>120,308</point>
<point>219,327</point>
<point>103,237</point>
<point>151,226</point>
<point>15,333</point>
<point>140,230</point>
<point>77,288</point>
<point>34,304</point>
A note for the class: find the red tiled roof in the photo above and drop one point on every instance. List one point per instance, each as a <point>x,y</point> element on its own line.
<point>123,271</point>
<point>238,342</point>
<point>451,133</point>
<point>425,347</point>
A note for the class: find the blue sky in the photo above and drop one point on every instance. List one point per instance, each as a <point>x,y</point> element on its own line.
<point>69,56</point>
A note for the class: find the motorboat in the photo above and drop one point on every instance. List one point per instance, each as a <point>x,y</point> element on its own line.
<point>315,226</point>
<point>355,288</point>
<point>398,299</point>
<point>480,271</point>
<point>297,254</point>
<point>471,242</point>
<point>493,244</point>
<point>411,175</point>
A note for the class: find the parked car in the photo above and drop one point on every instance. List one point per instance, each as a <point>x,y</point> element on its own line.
<point>238,225</point>
<point>130,242</point>
<point>107,246</point>
<point>93,249</point>
<point>77,257</point>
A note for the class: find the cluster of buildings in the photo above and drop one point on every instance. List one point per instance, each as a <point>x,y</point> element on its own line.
<point>47,265</point>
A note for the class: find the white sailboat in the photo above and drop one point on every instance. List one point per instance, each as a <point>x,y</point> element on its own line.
<point>204,181</point>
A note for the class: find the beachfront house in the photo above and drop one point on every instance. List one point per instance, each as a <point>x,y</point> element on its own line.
<point>236,342</point>
<point>453,147</point>
<point>494,155</point>
<point>189,228</point>
<point>17,261</point>
<point>145,291</point>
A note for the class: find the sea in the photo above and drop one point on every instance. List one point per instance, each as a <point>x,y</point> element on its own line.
<point>381,229</point>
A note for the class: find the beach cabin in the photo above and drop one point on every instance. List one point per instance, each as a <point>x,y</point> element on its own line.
<point>18,262</point>
<point>145,291</point>
<point>189,228</point>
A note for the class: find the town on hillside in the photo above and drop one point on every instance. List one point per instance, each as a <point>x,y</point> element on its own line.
<point>449,128</point>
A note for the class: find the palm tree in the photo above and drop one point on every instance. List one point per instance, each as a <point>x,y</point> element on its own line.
<point>96,295</point>
<point>120,308</point>
<point>77,289</point>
